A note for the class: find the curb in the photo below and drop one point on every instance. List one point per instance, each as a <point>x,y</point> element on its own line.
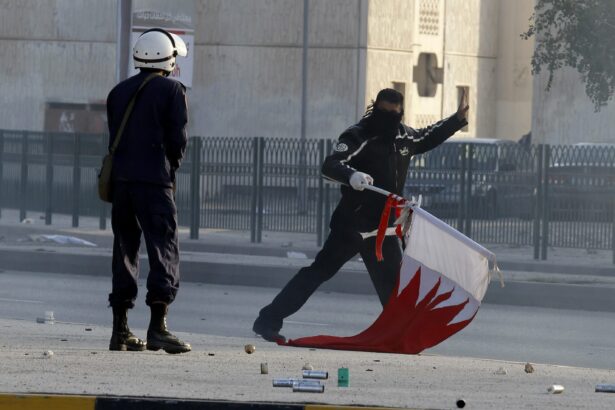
<point>516,293</point>
<point>70,402</point>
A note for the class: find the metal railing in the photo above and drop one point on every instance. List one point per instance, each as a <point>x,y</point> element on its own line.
<point>503,193</point>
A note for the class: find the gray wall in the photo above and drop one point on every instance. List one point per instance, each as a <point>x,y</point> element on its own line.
<point>53,50</point>
<point>247,74</point>
<point>565,115</point>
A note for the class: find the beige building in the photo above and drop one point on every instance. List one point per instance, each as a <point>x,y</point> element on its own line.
<point>59,55</point>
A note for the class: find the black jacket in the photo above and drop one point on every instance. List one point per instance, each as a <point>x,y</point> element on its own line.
<point>154,140</point>
<point>386,159</point>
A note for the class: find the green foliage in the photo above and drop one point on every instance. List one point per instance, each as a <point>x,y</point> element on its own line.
<point>578,34</point>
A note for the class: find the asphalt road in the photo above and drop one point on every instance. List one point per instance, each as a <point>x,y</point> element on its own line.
<point>538,335</point>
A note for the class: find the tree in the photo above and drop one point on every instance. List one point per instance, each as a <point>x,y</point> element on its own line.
<point>578,34</point>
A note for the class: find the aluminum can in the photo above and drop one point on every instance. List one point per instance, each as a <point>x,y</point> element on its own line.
<point>315,374</point>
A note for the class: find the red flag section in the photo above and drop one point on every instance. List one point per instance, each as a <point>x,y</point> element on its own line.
<point>411,321</point>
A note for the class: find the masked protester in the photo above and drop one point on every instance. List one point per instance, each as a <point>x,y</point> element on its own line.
<point>150,150</point>
<point>376,151</point>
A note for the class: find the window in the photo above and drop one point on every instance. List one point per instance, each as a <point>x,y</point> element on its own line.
<point>427,75</point>
<point>401,87</point>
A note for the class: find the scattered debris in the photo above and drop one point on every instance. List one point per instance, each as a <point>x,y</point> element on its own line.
<point>377,360</point>
<point>63,340</point>
<point>368,370</point>
<point>315,374</point>
<point>88,329</point>
<point>203,318</point>
<point>461,403</point>
<point>211,354</point>
<point>48,318</point>
<point>249,348</point>
<point>529,368</point>
<point>93,352</point>
<point>264,368</point>
<point>605,388</point>
<point>296,255</point>
<point>501,372</point>
<point>61,239</point>
<point>343,377</point>
<point>47,354</point>
<point>308,387</point>
<point>307,366</point>
<point>555,389</point>
<point>27,221</point>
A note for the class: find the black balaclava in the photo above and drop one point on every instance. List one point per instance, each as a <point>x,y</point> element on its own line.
<point>382,122</point>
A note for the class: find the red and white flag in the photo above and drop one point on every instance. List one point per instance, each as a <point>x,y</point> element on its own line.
<point>442,280</point>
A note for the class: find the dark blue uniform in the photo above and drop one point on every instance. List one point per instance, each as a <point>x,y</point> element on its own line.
<point>149,153</point>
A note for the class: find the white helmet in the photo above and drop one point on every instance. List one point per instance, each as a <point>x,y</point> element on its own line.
<point>157,48</point>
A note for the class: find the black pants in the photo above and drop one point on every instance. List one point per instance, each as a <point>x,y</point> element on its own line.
<point>339,248</point>
<point>148,209</point>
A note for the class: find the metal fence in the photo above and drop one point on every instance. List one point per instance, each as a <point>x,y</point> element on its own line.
<point>496,193</point>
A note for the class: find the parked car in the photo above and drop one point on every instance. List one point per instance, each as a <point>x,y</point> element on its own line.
<point>581,182</point>
<point>502,178</point>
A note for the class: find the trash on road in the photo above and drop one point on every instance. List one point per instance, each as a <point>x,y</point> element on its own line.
<point>47,354</point>
<point>501,372</point>
<point>605,388</point>
<point>264,368</point>
<point>555,389</point>
<point>27,221</point>
<point>343,377</point>
<point>304,387</point>
<point>249,349</point>
<point>61,239</point>
<point>296,255</point>
<point>47,318</point>
<point>461,403</point>
<point>529,368</point>
<point>315,374</point>
<point>307,366</point>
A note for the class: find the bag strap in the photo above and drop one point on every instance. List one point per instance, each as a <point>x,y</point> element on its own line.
<point>129,108</point>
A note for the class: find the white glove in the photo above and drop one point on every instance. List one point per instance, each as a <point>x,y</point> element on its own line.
<point>358,180</point>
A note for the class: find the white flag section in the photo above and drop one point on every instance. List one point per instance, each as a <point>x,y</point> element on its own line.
<point>441,249</point>
<point>442,280</point>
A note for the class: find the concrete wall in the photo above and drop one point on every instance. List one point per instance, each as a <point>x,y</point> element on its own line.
<point>389,47</point>
<point>514,78</point>
<point>565,115</point>
<point>248,56</point>
<point>470,60</point>
<point>54,50</point>
<point>248,67</point>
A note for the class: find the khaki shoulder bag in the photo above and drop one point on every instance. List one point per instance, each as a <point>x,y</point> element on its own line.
<point>104,177</point>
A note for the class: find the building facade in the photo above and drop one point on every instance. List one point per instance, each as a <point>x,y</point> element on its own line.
<point>58,62</point>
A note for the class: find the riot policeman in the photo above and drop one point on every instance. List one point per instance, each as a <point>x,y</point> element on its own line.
<point>151,147</point>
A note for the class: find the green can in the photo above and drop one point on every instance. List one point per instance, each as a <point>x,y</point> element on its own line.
<point>343,377</point>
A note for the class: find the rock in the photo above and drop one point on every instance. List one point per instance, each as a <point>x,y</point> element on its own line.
<point>529,368</point>
<point>307,366</point>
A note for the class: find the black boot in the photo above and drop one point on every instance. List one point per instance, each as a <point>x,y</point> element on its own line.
<point>267,331</point>
<point>158,337</point>
<point>122,338</point>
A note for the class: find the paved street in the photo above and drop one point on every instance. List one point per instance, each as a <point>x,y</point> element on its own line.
<point>515,333</point>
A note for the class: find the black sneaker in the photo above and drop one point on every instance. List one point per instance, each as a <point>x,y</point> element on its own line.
<point>267,332</point>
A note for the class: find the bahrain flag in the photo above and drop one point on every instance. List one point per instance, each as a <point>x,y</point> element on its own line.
<point>443,278</point>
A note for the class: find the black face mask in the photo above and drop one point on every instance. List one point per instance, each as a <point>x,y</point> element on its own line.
<point>384,122</point>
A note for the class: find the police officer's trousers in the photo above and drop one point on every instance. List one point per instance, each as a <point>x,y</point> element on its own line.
<point>149,209</point>
<point>339,248</point>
